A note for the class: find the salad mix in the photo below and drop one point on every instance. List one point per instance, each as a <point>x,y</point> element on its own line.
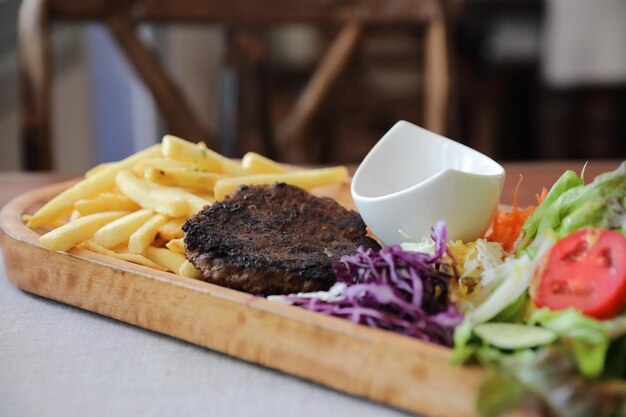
<point>540,301</point>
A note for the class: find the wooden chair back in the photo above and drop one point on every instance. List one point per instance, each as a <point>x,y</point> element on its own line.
<point>122,16</point>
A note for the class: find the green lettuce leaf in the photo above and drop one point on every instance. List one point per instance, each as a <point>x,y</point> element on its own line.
<point>548,377</point>
<point>581,374</point>
<point>464,347</point>
<point>587,339</point>
<point>571,206</point>
<point>515,311</point>
<point>566,182</point>
<point>500,392</point>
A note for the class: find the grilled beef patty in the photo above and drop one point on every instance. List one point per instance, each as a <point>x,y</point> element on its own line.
<point>273,239</point>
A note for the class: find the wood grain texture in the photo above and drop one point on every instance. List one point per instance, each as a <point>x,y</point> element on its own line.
<point>375,364</point>
<point>13,184</point>
<point>254,11</point>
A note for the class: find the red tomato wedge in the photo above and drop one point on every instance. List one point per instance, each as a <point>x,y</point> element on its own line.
<point>585,270</point>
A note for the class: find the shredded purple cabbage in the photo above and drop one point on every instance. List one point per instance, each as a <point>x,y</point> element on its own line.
<point>392,289</point>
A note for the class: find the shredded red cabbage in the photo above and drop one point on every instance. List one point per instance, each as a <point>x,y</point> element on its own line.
<point>392,289</point>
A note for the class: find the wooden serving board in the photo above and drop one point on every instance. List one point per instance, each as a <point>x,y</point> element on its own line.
<point>375,364</point>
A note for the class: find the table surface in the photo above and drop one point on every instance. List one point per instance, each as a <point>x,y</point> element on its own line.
<point>57,360</point>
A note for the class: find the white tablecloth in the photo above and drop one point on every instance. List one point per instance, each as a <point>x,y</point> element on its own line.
<point>56,360</point>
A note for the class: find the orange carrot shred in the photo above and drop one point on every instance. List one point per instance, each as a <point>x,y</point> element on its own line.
<point>542,196</point>
<point>521,178</point>
<point>506,227</point>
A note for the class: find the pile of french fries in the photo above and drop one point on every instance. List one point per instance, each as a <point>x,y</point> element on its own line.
<point>134,209</point>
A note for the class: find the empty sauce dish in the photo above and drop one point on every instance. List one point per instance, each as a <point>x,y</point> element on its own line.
<point>413,177</point>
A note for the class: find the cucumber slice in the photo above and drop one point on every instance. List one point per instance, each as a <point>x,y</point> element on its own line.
<point>514,336</point>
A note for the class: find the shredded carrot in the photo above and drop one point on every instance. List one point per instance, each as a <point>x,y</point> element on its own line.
<point>507,226</point>
<point>542,196</point>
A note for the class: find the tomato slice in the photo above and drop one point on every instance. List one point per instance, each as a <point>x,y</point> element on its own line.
<point>585,270</point>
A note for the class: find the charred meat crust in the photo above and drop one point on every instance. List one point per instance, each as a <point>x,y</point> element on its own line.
<point>273,239</point>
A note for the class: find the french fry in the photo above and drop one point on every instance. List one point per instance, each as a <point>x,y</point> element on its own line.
<point>176,245</point>
<point>78,231</point>
<point>227,165</point>
<point>76,214</point>
<point>143,237</point>
<point>57,223</point>
<point>206,195</point>
<point>130,257</point>
<point>140,167</point>
<point>120,230</point>
<point>98,168</point>
<point>173,229</point>
<point>188,270</point>
<point>105,202</point>
<point>101,181</point>
<point>181,150</point>
<point>258,164</point>
<point>160,163</point>
<point>304,179</point>
<point>182,177</point>
<point>195,203</point>
<point>165,257</point>
<point>153,196</point>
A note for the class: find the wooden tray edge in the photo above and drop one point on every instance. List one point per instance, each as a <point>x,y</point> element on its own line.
<point>379,365</point>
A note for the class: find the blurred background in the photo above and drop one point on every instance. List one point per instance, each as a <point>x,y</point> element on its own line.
<point>516,79</point>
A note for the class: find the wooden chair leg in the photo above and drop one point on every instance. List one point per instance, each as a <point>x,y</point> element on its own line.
<point>245,100</point>
<point>34,62</point>
<point>171,103</point>
<point>436,77</point>
<point>317,89</point>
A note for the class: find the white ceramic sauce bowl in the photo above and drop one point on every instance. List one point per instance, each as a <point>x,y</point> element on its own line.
<point>413,178</point>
